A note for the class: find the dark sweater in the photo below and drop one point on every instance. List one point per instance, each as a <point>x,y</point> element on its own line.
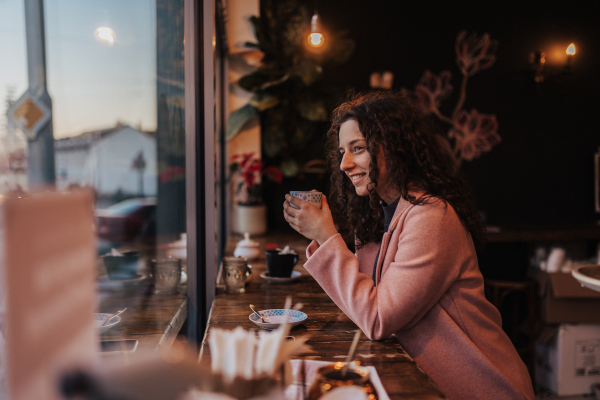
<point>388,213</point>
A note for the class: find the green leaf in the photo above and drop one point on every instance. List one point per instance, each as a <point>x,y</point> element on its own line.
<point>262,101</point>
<point>308,70</point>
<point>343,51</point>
<point>313,109</point>
<point>289,168</point>
<point>273,131</point>
<point>260,31</point>
<point>254,80</point>
<point>238,119</point>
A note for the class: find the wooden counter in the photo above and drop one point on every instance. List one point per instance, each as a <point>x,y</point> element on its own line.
<point>154,320</point>
<point>544,233</point>
<point>331,331</point>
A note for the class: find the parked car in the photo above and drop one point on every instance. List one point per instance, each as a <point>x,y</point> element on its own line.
<point>127,221</point>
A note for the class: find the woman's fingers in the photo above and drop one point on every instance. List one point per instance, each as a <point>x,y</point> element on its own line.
<point>290,219</point>
<point>289,210</point>
<point>324,202</point>
<point>294,201</point>
<point>308,220</point>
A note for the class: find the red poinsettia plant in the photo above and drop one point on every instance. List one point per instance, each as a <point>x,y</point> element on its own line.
<point>471,134</point>
<point>247,173</point>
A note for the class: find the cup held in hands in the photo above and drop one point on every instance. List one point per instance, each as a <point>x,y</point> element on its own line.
<point>281,265</point>
<point>313,198</point>
<point>122,267</point>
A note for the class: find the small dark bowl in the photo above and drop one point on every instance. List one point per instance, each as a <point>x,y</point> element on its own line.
<point>122,267</point>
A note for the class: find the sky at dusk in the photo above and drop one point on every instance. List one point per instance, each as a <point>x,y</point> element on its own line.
<point>92,84</point>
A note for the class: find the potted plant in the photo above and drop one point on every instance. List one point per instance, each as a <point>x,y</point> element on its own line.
<point>247,173</point>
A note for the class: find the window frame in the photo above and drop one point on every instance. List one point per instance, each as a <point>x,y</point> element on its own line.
<point>200,158</point>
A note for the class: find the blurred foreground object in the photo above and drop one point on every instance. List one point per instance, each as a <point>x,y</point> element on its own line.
<point>48,258</point>
<point>244,365</point>
<point>251,364</point>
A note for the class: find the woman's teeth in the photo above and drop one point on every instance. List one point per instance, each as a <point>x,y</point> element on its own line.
<point>355,177</point>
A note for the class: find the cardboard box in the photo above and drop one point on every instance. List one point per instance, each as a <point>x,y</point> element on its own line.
<point>567,361</point>
<point>564,301</point>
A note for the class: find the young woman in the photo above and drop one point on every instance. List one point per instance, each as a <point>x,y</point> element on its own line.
<point>415,274</point>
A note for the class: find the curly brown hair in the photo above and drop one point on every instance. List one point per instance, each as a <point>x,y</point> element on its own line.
<point>417,159</point>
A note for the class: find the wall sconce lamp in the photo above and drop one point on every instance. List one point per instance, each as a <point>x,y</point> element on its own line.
<point>315,37</point>
<point>559,65</point>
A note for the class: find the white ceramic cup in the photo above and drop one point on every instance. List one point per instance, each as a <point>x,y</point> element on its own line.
<point>313,198</point>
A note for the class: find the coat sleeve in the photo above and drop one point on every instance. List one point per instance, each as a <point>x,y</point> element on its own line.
<point>432,248</point>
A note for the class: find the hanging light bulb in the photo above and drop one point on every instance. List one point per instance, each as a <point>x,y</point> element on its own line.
<point>570,53</point>
<point>315,38</point>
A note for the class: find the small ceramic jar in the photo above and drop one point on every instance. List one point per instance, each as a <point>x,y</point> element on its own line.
<point>247,248</point>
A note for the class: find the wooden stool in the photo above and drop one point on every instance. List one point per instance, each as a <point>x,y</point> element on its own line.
<point>499,293</point>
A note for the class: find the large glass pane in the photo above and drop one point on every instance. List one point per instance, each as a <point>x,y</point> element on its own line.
<point>115,76</point>
<point>13,82</point>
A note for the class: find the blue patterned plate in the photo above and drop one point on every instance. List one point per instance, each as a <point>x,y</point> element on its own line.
<point>277,317</point>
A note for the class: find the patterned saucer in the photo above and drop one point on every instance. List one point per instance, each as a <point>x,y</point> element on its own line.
<point>276,317</point>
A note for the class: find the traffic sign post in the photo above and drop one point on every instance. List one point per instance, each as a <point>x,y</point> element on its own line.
<point>30,114</point>
<point>33,111</point>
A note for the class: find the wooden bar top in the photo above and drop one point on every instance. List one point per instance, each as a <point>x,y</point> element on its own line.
<point>544,233</point>
<point>154,320</point>
<point>331,331</point>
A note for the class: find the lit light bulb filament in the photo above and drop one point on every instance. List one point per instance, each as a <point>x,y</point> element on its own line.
<point>315,38</point>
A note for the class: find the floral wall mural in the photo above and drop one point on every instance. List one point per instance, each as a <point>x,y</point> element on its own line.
<point>471,133</point>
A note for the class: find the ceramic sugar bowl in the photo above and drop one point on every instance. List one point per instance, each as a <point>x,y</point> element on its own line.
<point>247,248</point>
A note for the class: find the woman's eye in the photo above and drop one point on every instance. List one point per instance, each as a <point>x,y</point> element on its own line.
<point>358,148</point>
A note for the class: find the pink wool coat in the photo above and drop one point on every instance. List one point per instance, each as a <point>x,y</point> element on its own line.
<point>429,296</point>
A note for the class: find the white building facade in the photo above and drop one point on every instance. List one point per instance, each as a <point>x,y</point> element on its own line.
<point>117,160</point>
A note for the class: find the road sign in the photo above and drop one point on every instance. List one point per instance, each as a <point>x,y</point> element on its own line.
<point>30,114</point>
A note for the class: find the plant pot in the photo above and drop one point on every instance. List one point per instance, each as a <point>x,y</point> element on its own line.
<point>251,219</point>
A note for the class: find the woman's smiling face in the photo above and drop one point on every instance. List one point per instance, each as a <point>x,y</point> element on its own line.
<point>356,159</point>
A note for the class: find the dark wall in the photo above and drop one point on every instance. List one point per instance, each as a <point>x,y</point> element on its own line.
<point>542,172</point>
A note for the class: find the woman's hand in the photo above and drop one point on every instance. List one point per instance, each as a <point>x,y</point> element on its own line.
<point>308,220</point>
